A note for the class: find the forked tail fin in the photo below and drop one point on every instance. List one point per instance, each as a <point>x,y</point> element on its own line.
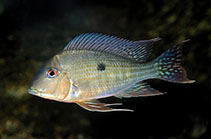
<point>169,67</point>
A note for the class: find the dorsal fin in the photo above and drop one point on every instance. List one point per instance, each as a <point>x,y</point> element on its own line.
<point>137,50</point>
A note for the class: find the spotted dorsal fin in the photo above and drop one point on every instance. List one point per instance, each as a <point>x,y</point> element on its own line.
<point>137,50</point>
<point>95,105</point>
<point>139,90</point>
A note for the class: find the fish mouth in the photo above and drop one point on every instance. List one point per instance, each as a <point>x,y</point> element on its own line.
<point>36,92</point>
<point>33,91</point>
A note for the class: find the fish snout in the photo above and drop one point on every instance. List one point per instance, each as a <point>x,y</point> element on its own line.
<point>33,91</point>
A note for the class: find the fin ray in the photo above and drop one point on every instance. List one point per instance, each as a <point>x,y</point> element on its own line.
<point>95,105</point>
<point>169,67</point>
<point>139,90</point>
<point>137,50</point>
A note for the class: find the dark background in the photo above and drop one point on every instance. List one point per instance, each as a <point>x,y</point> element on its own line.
<point>31,31</point>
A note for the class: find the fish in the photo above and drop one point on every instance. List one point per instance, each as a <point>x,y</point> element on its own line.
<point>93,66</point>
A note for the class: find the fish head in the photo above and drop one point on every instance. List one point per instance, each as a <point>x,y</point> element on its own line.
<point>50,82</point>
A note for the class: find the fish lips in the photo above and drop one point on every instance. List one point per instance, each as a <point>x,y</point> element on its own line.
<point>33,91</point>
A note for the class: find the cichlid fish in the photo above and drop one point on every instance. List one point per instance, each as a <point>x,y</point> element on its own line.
<point>94,66</point>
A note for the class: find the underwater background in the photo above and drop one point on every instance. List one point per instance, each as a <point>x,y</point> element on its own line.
<point>32,31</point>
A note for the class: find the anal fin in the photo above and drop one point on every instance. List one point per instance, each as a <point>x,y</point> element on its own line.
<point>95,105</point>
<point>139,90</point>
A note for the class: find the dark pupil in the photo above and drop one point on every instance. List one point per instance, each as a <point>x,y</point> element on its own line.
<point>52,73</point>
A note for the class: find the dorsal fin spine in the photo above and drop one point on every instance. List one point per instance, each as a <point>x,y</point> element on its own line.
<point>101,44</point>
<point>94,36</point>
<point>92,40</point>
<point>137,50</point>
<point>75,41</point>
<point>84,39</point>
<point>98,38</point>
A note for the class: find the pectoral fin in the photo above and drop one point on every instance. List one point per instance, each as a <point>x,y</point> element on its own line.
<point>138,90</point>
<point>95,105</point>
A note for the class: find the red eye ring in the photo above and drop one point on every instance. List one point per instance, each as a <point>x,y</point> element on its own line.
<point>52,73</point>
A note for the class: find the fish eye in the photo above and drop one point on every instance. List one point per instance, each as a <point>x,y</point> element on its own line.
<point>52,73</point>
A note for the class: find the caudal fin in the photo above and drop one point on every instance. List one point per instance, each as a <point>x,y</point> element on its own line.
<point>169,67</point>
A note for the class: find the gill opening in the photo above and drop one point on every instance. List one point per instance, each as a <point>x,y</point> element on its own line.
<point>70,86</point>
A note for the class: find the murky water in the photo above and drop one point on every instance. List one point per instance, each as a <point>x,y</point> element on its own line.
<point>33,31</point>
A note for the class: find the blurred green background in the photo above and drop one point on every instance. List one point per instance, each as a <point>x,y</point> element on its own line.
<point>32,31</point>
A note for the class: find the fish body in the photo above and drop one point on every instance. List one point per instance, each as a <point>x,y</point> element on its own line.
<point>94,66</point>
<point>98,75</point>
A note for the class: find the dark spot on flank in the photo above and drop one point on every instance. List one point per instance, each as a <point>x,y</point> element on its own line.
<point>101,67</point>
